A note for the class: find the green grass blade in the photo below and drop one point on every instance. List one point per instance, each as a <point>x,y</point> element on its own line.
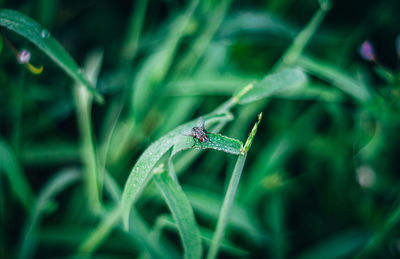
<point>302,39</point>
<point>41,37</point>
<point>336,77</point>
<point>279,82</point>
<point>131,42</point>
<point>56,185</point>
<point>182,213</point>
<point>216,141</point>
<point>14,172</point>
<point>230,196</point>
<point>226,207</point>
<point>83,102</point>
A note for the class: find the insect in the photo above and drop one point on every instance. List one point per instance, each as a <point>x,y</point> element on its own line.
<point>198,132</point>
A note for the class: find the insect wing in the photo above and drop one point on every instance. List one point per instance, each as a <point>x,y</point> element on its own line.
<point>200,123</point>
<point>187,132</point>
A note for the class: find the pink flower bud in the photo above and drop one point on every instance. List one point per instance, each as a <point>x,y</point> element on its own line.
<point>367,51</point>
<point>24,56</point>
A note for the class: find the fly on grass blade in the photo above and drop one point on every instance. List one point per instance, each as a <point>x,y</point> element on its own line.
<point>198,132</point>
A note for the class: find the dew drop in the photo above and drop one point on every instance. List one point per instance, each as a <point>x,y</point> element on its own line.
<point>45,33</point>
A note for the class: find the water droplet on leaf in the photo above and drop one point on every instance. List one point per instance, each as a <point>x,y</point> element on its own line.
<point>45,33</point>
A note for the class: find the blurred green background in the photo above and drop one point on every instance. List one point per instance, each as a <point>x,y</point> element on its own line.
<point>321,179</point>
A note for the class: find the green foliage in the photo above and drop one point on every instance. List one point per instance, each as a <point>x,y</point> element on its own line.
<point>126,179</point>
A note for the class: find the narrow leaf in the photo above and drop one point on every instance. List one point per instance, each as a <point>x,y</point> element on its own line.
<point>286,79</point>
<point>182,213</point>
<point>223,218</point>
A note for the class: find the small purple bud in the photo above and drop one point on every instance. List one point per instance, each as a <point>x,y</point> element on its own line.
<point>397,45</point>
<point>24,56</point>
<point>367,51</point>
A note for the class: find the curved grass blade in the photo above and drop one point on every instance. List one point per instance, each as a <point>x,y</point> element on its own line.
<point>14,172</point>
<point>304,37</point>
<point>285,79</point>
<point>56,185</point>
<point>336,77</point>
<point>40,36</point>
<point>182,212</point>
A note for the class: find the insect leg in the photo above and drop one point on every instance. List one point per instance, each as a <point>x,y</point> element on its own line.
<point>194,142</point>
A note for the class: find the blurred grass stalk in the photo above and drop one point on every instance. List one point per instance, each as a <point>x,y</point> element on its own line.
<point>83,101</point>
<point>230,194</point>
<point>131,41</point>
<point>19,184</point>
<point>300,42</point>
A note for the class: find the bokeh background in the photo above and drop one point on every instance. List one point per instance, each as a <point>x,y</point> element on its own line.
<point>321,179</point>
